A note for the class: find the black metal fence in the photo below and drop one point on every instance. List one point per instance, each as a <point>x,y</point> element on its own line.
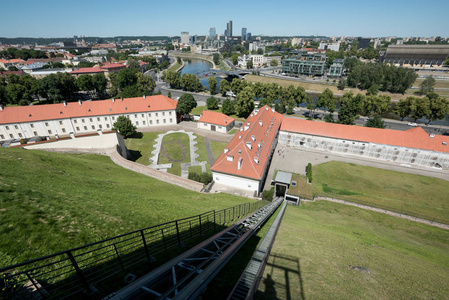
<point>66,274</point>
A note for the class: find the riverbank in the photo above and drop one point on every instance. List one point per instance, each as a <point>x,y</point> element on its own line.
<point>193,56</point>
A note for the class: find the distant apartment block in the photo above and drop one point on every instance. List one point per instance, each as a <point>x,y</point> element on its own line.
<point>305,64</point>
<point>185,38</point>
<point>363,43</point>
<point>336,69</point>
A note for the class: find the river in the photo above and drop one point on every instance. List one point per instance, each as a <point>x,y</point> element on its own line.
<point>194,66</point>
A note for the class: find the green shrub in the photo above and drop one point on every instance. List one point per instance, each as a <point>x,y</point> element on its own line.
<point>309,173</point>
<point>204,178</point>
<point>268,195</point>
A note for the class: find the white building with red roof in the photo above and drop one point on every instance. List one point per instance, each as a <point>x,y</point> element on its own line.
<point>410,147</point>
<point>215,121</point>
<point>244,162</point>
<point>84,117</point>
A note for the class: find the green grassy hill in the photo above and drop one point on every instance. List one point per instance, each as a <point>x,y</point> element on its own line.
<point>51,202</point>
<point>327,250</point>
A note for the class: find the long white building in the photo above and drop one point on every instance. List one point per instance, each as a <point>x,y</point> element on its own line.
<point>84,117</point>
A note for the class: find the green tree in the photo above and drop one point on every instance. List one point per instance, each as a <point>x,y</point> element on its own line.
<point>375,105</point>
<point>173,79</point>
<point>124,126</point>
<point>179,61</point>
<point>185,104</point>
<point>258,89</point>
<point>446,62</point>
<point>237,85</point>
<point>67,84</point>
<point>100,84</point>
<point>427,86</point>
<point>311,107</point>
<point>291,105</point>
<point>14,93</point>
<point>278,107</point>
<point>373,90</point>
<point>260,51</point>
<point>249,64</point>
<point>169,94</point>
<point>404,107</point>
<point>327,100</point>
<point>224,87</point>
<point>375,121</point>
<point>420,108</point>
<point>273,62</point>
<point>216,58</point>
<point>438,108</point>
<point>212,84</point>
<point>191,83</point>
<point>349,108</point>
<point>145,83</point>
<point>244,104</point>
<point>51,88</point>
<point>228,107</point>
<point>341,84</point>
<point>126,77</point>
<point>235,59</point>
<point>212,103</point>
<point>84,83</point>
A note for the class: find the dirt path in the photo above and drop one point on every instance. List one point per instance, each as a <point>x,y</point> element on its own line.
<point>388,212</point>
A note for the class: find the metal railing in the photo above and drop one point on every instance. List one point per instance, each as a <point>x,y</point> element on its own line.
<point>68,273</point>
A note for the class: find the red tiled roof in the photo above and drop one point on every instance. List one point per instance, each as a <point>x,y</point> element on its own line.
<point>16,60</point>
<point>19,114</point>
<point>213,117</point>
<point>411,138</point>
<point>4,73</point>
<point>113,66</point>
<point>87,70</point>
<point>261,127</point>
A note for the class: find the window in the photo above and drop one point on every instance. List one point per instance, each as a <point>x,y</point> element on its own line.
<point>90,119</point>
<point>77,129</point>
<point>2,136</point>
<point>107,125</point>
<point>11,136</point>
<point>105,118</point>
<point>157,121</point>
<point>171,120</point>
<point>144,123</point>
<point>82,120</point>
<point>49,131</point>
<point>35,133</point>
<point>32,125</point>
<point>113,118</point>
<point>156,114</point>
<point>100,126</point>
<point>7,127</point>
<point>98,119</point>
<point>135,116</point>
<point>149,114</point>
<point>16,127</point>
<point>75,121</point>
<point>63,130</point>
<point>169,113</point>
<point>163,113</point>
<point>164,120</point>
<point>137,123</point>
<point>20,135</point>
<point>93,127</point>
<point>151,122</point>
<point>142,115</point>
<point>46,124</point>
<point>85,127</point>
<point>60,122</point>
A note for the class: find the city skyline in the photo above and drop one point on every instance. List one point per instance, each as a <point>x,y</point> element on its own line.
<point>109,18</point>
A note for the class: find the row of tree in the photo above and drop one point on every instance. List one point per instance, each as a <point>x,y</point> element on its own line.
<point>433,107</point>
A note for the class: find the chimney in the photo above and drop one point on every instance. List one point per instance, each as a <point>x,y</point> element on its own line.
<point>79,102</point>
<point>121,99</point>
<point>113,100</point>
<point>65,103</point>
<point>144,96</point>
<point>1,106</point>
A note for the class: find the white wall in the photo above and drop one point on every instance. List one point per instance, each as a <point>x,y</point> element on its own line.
<point>236,182</point>
<point>222,129</point>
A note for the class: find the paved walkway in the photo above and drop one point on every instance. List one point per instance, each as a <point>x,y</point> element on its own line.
<point>210,154</point>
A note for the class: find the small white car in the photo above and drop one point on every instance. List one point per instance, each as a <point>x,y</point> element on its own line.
<point>412,124</point>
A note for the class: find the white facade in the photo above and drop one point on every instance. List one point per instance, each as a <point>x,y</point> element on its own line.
<point>241,183</point>
<point>185,38</point>
<point>403,155</point>
<point>215,127</point>
<point>83,125</point>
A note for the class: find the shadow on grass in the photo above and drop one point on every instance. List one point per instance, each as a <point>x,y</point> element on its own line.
<point>137,135</point>
<point>134,155</point>
<point>280,287</point>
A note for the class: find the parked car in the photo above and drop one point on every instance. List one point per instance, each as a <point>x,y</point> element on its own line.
<point>412,124</point>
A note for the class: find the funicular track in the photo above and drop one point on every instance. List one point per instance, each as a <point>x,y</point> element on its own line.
<point>186,276</point>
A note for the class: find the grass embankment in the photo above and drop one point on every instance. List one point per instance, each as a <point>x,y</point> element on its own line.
<point>177,148</point>
<point>316,87</point>
<point>140,147</point>
<point>217,148</point>
<point>318,242</point>
<point>302,188</point>
<point>50,202</point>
<point>401,192</point>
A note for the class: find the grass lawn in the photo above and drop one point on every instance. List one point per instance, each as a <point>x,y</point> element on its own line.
<point>217,148</point>
<point>50,202</point>
<point>195,169</point>
<point>318,242</point>
<point>316,87</point>
<point>174,67</point>
<point>233,131</point>
<point>302,188</point>
<point>201,152</point>
<point>170,142</point>
<point>399,191</point>
<point>140,147</point>
<point>439,83</point>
